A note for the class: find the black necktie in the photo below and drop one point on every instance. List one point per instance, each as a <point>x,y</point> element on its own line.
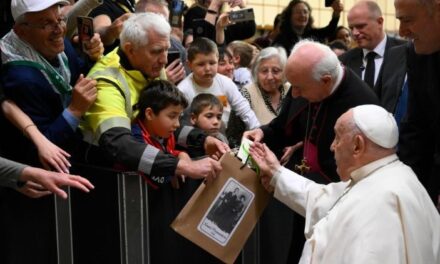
<point>369,71</point>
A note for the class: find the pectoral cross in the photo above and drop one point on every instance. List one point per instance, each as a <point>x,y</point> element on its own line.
<point>303,168</point>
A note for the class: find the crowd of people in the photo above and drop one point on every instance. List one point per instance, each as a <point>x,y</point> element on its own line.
<point>344,123</point>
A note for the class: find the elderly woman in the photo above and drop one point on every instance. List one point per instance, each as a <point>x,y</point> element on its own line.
<point>266,93</point>
<point>269,87</point>
<point>297,24</point>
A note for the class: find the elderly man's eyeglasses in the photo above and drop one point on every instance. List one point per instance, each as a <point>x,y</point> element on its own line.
<point>48,26</point>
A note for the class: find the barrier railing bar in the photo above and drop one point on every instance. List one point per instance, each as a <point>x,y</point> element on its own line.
<point>132,222</point>
<point>146,223</point>
<point>250,251</point>
<point>63,226</point>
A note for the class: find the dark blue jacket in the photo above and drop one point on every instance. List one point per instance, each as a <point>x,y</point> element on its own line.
<point>31,91</point>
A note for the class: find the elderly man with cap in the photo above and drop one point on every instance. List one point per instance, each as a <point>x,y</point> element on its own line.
<point>378,213</point>
<point>41,73</point>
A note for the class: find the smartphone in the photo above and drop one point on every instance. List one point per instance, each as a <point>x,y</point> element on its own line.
<point>177,8</point>
<point>198,25</point>
<point>85,29</point>
<point>172,56</point>
<point>329,2</point>
<point>245,14</point>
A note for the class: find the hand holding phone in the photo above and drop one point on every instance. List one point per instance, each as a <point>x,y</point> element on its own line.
<point>172,56</point>
<point>85,30</point>
<point>177,7</point>
<point>174,70</point>
<point>245,14</point>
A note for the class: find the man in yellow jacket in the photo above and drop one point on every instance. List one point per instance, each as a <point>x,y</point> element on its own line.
<point>121,75</point>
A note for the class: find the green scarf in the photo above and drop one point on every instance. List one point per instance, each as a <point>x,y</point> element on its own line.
<point>15,51</point>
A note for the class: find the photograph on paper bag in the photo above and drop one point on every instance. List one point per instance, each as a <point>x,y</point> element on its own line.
<point>226,212</point>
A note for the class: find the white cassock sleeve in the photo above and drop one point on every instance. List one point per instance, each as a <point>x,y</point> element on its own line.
<point>304,196</point>
<point>385,218</point>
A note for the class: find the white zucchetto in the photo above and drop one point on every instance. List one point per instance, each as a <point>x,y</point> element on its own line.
<point>377,125</point>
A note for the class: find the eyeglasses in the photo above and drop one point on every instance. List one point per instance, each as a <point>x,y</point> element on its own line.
<point>274,71</point>
<point>48,26</point>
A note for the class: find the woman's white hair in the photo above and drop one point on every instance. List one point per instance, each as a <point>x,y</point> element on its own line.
<point>135,29</point>
<point>268,53</point>
<point>327,64</point>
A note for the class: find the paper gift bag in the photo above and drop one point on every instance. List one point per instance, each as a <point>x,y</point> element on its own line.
<point>221,215</point>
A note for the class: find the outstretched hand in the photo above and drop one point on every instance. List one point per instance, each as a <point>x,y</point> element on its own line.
<point>288,152</point>
<point>266,161</point>
<point>206,168</point>
<point>215,147</point>
<point>34,190</point>
<point>255,135</point>
<point>41,182</point>
<point>53,157</point>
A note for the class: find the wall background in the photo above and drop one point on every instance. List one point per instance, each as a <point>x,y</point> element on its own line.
<point>266,10</point>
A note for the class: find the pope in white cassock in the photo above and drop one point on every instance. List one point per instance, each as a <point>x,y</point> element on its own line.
<point>378,213</point>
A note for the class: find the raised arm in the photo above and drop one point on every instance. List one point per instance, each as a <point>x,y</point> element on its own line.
<point>108,30</point>
<point>50,155</point>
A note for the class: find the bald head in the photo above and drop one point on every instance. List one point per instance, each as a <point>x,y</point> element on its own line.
<point>306,52</point>
<point>312,69</point>
<point>366,23</point>
<point>371,7</point>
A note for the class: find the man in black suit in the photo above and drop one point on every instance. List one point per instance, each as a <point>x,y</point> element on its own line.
<point>420,130</point>
<point>366,22</point>
<point>393,86</point>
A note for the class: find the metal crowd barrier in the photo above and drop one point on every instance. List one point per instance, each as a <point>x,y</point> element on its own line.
<point>63,222</point>
<point>133,218</point>
<point>133,225</point>
<point>250,254</point>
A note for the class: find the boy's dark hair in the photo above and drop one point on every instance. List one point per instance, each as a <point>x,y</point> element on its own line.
<point>203,46</point>
<point>158,95</point>
<point>202,101</point>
